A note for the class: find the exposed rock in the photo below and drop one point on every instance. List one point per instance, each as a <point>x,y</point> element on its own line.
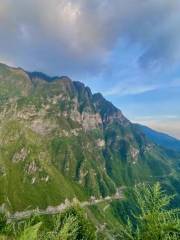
<point>88,120</point>
<point>20,156</point>
<point>42,127</point>
<point>27,114</point>
<point>91,121</point>
<point>32,168</point>
<point>134,153</point>
<point>45,179</point>
<point>75,132</point>
<point>100,143</point>
<point>83,174</point>
<point>149,147</point>
<point>33,180</point>
<point>117,116</point>
<point>2,171</point>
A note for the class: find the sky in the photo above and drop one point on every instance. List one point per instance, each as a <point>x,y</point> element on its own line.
<point>127,50</point>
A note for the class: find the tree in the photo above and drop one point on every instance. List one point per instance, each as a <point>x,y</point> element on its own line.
<point>153,220</point>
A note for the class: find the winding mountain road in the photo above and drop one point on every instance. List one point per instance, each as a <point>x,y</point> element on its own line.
<point>50,210</point>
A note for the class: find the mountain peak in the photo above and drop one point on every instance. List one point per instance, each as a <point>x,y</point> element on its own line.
<point>40,75</point>
<point>108,111</point>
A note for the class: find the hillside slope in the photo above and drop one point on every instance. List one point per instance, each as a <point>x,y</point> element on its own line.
<point>58,141</point>
<point>160,138</point>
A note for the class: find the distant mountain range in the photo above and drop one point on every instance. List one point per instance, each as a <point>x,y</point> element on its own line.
<point>160,138</point>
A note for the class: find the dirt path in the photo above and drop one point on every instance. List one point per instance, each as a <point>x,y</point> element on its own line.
<point>63,206</point>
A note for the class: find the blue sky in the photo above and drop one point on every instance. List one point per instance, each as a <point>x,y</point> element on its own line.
<point>148,96</point>
<point>127,50</point>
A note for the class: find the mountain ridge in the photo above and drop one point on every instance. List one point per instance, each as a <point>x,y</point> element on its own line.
<point>59,138</point>
<point>163,139</point>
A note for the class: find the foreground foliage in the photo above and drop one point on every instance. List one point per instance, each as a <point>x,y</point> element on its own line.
<point>154,221</point>
<point>70,225</point>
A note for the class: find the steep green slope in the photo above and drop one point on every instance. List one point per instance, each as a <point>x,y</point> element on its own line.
<point>130,156</point>
<point>58,141</point>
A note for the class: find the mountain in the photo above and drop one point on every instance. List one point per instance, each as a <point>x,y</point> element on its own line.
<point>159,138</point>
<point>59,141</point>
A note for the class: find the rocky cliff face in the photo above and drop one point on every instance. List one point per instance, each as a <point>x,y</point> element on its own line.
<point>57,137</point>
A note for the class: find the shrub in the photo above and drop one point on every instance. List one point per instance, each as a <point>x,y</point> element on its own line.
<point>72,224</point>
<point>154,221</point>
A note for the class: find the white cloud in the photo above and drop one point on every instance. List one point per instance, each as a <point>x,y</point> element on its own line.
<point>132,88</point>
<point>77,35</point>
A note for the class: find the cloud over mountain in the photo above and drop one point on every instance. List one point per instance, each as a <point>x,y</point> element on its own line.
<point>78,36</point>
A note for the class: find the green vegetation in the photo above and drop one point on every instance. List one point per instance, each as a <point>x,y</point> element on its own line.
<point>59,141</point>
<point>153,219</point>
<point>70,225</point>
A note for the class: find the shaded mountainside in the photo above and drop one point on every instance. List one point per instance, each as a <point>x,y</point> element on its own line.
<point>58,140</point>
<point>160,138</point>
